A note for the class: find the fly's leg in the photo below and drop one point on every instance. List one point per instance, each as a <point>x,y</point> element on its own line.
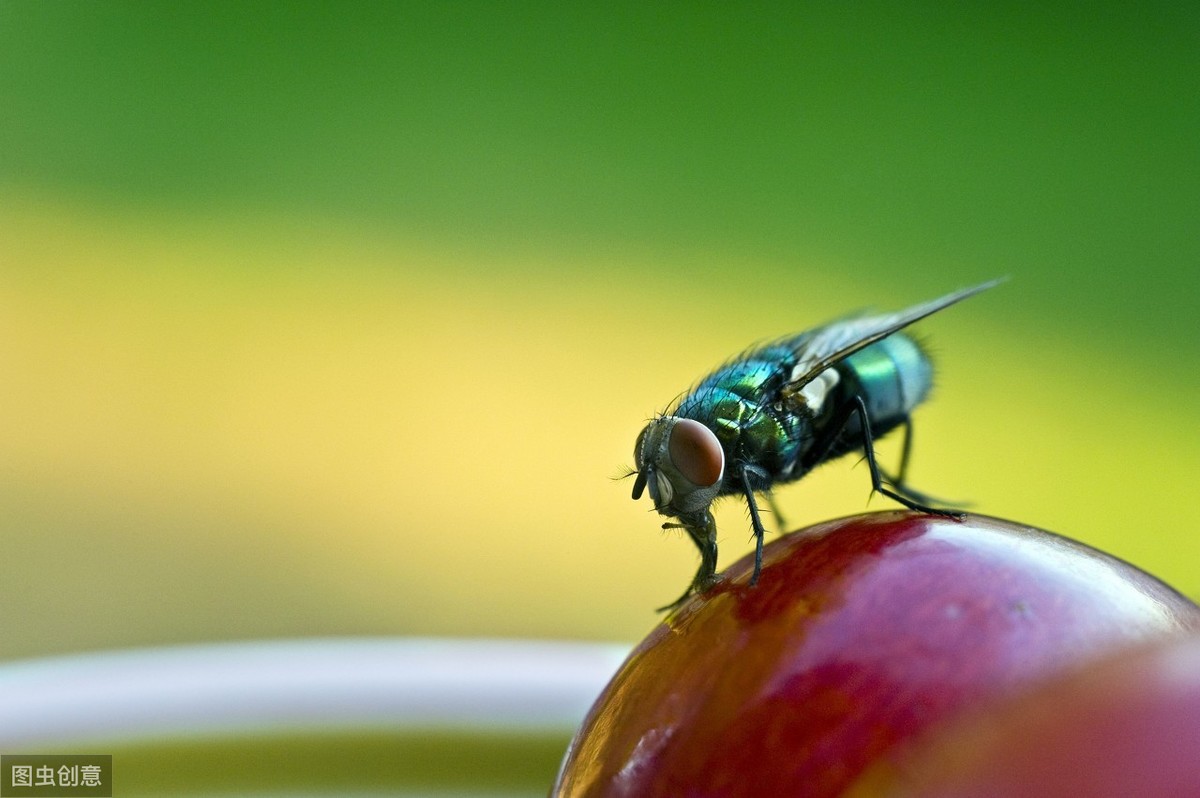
<point>847,411</point>
<point>750,496</point>
<point>900,483</point>
<point>705,538</point>
<point>905,451</point>
<point>780,524</point>
<point>759,531</point>
<point>676,602</point>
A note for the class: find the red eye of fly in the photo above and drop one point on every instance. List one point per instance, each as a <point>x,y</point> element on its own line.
<point>696,452</point>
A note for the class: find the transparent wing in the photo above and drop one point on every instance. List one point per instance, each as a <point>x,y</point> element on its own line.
<point>818,349</point>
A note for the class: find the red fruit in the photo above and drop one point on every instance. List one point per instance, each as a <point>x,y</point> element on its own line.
<point>1126,726</point>
<point>861,634</point>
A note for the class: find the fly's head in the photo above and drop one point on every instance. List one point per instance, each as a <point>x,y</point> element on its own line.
<point>681,462</point>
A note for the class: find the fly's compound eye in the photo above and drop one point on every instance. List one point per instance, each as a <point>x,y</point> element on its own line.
<point>696,453</point>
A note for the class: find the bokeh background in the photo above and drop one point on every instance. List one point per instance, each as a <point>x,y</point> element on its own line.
<point>339,318</point>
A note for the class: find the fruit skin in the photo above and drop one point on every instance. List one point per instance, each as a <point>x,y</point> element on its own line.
<point>860,634</point>
<point>1128,725</point>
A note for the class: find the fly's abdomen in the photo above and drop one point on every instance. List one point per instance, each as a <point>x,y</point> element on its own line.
<point>892,376</point>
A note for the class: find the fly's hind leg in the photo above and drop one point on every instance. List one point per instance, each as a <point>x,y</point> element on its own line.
<point>856,406</point>
<point>780,524</point>
<point>900,481</point>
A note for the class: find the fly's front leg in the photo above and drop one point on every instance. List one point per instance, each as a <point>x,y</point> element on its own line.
<point>759,531</point>
<point>703,532</point>
<point>856,406</point>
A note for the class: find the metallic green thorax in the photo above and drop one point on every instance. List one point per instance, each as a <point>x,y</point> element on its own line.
<point>746,405</point>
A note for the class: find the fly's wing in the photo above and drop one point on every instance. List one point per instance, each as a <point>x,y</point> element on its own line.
<point>821,348</point>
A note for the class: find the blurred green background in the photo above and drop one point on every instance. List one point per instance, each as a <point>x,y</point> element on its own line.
<point>337,318</point>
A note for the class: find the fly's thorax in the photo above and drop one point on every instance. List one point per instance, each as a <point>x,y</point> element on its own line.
<point>681,462</point>
<point>767,436</point>
<point>893,376</point>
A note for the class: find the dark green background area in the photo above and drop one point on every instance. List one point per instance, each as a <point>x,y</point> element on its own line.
<point>932,145</point>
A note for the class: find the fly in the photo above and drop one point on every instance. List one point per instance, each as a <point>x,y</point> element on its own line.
<point>775,412</point>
